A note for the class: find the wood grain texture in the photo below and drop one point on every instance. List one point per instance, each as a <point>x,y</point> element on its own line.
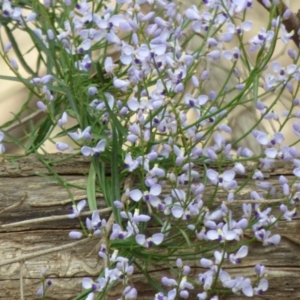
<point>46,197</point>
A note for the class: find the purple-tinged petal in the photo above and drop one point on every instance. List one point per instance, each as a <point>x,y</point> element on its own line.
<point>81,204</point>
<point>247,25</point>
<point>41,105</point>
<point>271,152</point>
<point>177,211</point>
<point>62,146</point>
<point>157,238</point>
<point>155,190</point>
<point>136,195</point>
<point>140,239</point>
<point>273,240</point>
<point>87,282</point>
<point>206,263</point>
<point>239,168</point>
<point>212,174</point>
<point>296,172</point>
<point>262,138</point>
<point>212,235</point>
<point>229,175</point>
<point>86,151</point>
<point>75,235</point>
<point>202,99</point>
<point>101,145</point>
<point>247,288</point>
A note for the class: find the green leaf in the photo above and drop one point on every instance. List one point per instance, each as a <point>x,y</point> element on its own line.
<point>90,189</point>
<point>17,51</point>
<point>115,174</point>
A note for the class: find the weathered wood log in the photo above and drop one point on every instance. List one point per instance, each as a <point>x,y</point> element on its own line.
<point>27,246</point>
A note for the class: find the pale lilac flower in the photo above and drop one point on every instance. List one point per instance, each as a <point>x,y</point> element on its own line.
<point>262,287</point>
<point>271,152</point>
<point>109,66</point>
<point>239,168</point>
<point>14,64</point>
<point>84,64</point>
<point>76,209</point>
<point>7,10</point>
<point>41,105</point>
<point>206,279</point>
<point>202,296</point>
<point>75,235</point>
<point>95,151</point>
<point>247,210</point>
<point>84,46</point>
<point>129,163</point>
<point>46,79</point>
<point>225,180</point>
<point>222,234</point>
<point>119,233</point>
<point>85,134</point>
<point>157,239</point>
<point>288,215</point>
<point>213,55</point>
<point>31,17</point>
<point>83,6</point>
<point>129,293</point>
<point>7,47</point>
<point>90,296</point>
<point>121,84</point>
<point>103,253</point>
<point>240,5</point>
<point>50,34</point>
<point>170,295</point>
<point>184,284</point>
<point>226,280</point>
<point>136,217</point>
<point>88,283</point>
<point>41,291</point>
<point>63,120</point>
<point>244,285</point>
<point>262,215</point>
<point>296,172</point>
<point>2,148</point>
<point>118,204</point>
<point>268,140</point>
<point>136,195</point>
<point>152,195</point>
<point>237,258</point>
<point>296,129</point>
<point>206,263</point>
<point>47,3</point>
<point>168,281</point>
<point>92,90</point>
<point>292,53</point>
<point>60,146</point>
<point>264,236</point>
<point>262,38</point>
<point>244,152</point>
<point>95,223</point>
<point>285,36</point>
<point>260,270</point>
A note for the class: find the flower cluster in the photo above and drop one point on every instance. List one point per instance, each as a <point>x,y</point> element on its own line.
<point>46,283</point>
<point>141,88</point>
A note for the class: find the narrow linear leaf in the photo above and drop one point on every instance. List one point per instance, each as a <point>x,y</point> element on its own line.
<point>90,189</point>
<point>17,51</point>
<point>115,174</point>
